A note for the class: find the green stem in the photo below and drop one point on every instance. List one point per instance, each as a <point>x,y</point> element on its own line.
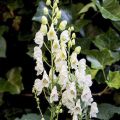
<point>46,62</point>
<point>52,65</point>
<point>104,74</point>
<point>47,47</point>
<point>38,103</point>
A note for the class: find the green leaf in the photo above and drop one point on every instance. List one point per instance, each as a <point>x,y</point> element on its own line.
<point>113,79</point>
<point>116,24</point>
<point>1,99</point>
<point>2,47</point>
<point>110,9</point>
<point>109,40</point>
<point>15,4</point>
<point>92,72</point>
<point>3,29</point>
<point>85,44</point>
<point>32,116</point>
<point>86,7</point>
<point>13,84</point>
<point>106,111</point>
<point>99,59</point>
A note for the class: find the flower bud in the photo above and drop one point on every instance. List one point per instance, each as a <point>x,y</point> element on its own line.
<point>73,41</point>
<point>61,110</point>
<point>45,10</point>
<point>42,119</point>
<point>78,49</point>
<point>43,29</point>
<point>62,25</point>
<point>70,44</point>
<point>58,14</point>
<point>72,28</point>
<point>73,35</point>
<point>44,20</point>
<point>56,9</point>
<point>55,5</point>
<point>48,2</point>
<point>55,21</point>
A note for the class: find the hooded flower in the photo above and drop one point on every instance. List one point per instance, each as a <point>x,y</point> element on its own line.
<point>93,110</point>
<point>54,95</point>
<point>64,37</point>
<point>38,86</point>
<point>55,46</point>
<point>87,96</point>
<point>43,29</point>
<point>39,38</point>
<point>51,33</point>
<point>74,60</point>
<point>45,80</point>
<point>39,67</point>
<point>67,101</point>
<point>63,76</point>
<point>77,109</point>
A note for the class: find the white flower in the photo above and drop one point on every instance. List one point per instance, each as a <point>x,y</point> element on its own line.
<point>77,109</point>
<point>82,65</point>
<point>64,37</point>
<point>63,54</point>
<point>63,76</point>
<point>74,60</point>
<point>62,25</point>
<point>44,20</point>
<point>51,33</point>
<point>39,67</point>
<point>88,80</point>
<point>38,86</point>
<point>43,29</point>
<point>45,80</point>
<point>93,110</point>
<point>75,117</point>
<point>45,10</point>
<point>71,88</point>
<point>39,38</point>
<point>86,96</point>
<point>54,95</point>
<point>67,101</point>
<point>54,76</point>
<point>59,63</point>
<point>37,53</point>
<point>55,46</point>
<point>78,49</point>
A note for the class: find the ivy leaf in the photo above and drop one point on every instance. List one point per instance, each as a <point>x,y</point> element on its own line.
<point>86,7</point>
<point>99,59</point>
<point>32,116</point>
<point>110,9</point>
<point>92,72</point>
<point>13,84</point>
<point>3,29</point>
<point>113,79</point>
<point>2,47</point>
<point>106,111</point>
<point>85,44</point>
<point>15,4</point>
<point>109,40</point>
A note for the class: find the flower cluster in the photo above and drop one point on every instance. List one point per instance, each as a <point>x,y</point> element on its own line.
<point>66,83</point>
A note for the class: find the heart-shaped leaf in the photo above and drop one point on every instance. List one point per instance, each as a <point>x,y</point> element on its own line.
<point>113,79</point>
<point>13,84</point>
<point>110,9</point>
